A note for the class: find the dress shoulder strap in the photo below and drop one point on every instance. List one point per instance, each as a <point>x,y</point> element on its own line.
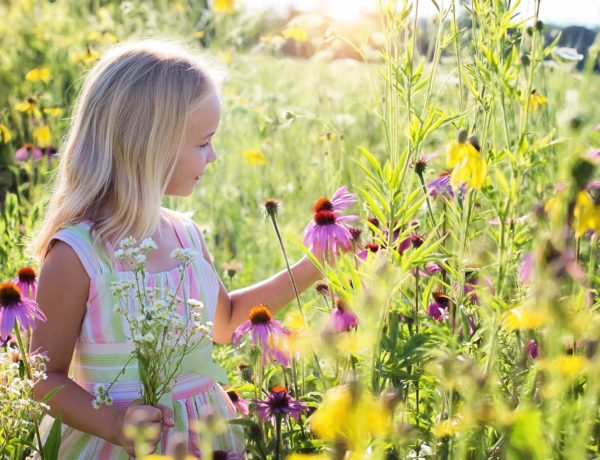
<point>94,259</point>
<point>186,229</point>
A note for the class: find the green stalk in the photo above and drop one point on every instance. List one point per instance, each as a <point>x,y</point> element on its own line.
<point>27,367</point>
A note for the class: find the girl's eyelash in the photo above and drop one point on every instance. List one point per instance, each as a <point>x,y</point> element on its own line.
<point>203,146</point>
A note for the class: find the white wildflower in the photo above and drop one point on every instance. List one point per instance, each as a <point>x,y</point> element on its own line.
<point>183,255</point>
<point>194,303</point>
<point>148,244</point>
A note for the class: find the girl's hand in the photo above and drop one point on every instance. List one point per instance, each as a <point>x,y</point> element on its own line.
<point>142,417</point>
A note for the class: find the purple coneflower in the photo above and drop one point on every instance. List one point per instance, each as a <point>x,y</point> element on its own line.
<point>329,230</point>
<point>441,186</point>
<point>266,332</point>
<point>14,307</point>
<point>532,349</point>
<point>28,149</point>
<point>279,404</point>
<point>420,164</point>
<point>26,282</point>
<point>369,248</point>
<point>226,455</point>
<point>415,240</point>
<point>342,319</point>
<point>439,308</point>
<point>240,403</point>
<point>429,269</point>
<point>342,198</point>
<point>473,282</point>
<point>526,268</point>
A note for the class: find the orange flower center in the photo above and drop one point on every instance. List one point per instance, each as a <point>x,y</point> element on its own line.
<point>372,247</point>
<point>325,218</point>
<point>260,315</point>
<point>10,294</point>
<point>340,304</point>
<point>441,297</point>
<point>27,275</point>
<point>323,204</point>
<point>278,389</point>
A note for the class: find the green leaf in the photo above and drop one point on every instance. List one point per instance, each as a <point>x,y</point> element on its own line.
<point>52,445</point>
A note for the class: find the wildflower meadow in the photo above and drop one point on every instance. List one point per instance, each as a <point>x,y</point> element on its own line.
<point>448,169</point>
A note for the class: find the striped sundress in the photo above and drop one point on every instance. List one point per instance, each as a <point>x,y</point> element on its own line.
<point>103,347</point>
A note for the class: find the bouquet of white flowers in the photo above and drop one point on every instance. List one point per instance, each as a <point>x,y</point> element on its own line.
<point>162,337</point>
<point>20,413</point>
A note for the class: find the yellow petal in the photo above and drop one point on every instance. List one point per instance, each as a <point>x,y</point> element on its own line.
<point>522,318</point>
<point>5,134</point>
<point>254,157</point>
<point>224,6</point>
<point>297,33</point>
<point>23,106</point>
<point>199,34</point>
<point>42,135</point>
<point>586,214</point>
<point>54,111</point>
<point>39,73</point>
<point>570,366</point>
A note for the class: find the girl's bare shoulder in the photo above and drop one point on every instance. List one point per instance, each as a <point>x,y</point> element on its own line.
<point>62,273</point>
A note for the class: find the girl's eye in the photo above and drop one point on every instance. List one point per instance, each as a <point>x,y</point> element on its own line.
<point>203,146</point>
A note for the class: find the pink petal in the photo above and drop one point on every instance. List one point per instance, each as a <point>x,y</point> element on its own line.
<point>21,154</point>
<point>7,321</point>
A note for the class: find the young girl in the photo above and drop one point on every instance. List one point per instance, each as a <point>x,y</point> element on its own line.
<point>142,129</point>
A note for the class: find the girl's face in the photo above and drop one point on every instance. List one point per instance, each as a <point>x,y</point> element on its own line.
<point>197,149</point>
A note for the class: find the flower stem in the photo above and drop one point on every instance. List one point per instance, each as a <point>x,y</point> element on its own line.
<point>278,442</point>
<point>23,353</point>
<point>287,264</point>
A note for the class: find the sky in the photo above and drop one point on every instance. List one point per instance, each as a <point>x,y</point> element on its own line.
<point>561,12</point>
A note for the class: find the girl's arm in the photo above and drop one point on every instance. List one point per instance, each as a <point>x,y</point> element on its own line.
<point>276,292</point>
<point>62,295</point>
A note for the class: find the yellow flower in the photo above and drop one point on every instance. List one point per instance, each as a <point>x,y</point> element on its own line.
<point>199,34</point>
<point>39,73</point>
<point>447,427</point>
<point>5,134</point>
<point>225,57</point>
<point>342,416</point>
<point>522,318</point>
<point>468,167</point>
<point>224,6</point>
<point>54,111</point>
<point>535,101</point>
<point>569,366</point>
<point>29,106</point>
<point>86,57</point>
<point>42,135</point>
<point>254,157</point>
<point>98,36</point>
<point>586,214</point>
<point>297,33</point>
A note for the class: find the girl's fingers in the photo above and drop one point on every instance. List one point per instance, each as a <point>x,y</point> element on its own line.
<point>167,415</point>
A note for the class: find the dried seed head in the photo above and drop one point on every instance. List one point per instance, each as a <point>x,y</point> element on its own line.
<point>462,135</point>
<point>271,207</point>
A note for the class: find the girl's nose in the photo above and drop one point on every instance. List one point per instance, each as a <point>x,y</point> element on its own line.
<point>212,156</point>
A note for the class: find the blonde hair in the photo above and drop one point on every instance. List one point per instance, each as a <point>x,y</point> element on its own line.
<point>126,136</point>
